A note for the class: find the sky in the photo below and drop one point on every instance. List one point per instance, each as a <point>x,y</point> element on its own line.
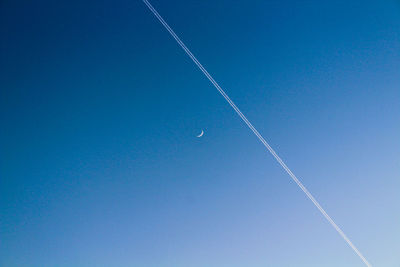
<point>99,109</point>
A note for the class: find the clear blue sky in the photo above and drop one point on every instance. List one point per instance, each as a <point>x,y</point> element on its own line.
<point>99,110</point>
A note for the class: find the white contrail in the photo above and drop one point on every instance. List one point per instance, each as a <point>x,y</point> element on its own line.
<point>248,123</point>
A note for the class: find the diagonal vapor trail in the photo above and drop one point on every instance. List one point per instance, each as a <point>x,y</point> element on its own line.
<point>254,130</point>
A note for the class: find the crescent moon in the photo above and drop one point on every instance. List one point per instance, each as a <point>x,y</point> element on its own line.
<point>201,134</point>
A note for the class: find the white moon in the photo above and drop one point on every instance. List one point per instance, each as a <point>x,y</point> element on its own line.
<point>201,134</point>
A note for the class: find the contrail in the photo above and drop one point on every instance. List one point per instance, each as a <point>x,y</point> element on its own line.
<point>248,123</point>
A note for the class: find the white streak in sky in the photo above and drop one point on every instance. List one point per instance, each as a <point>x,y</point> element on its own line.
<point>280,161</point>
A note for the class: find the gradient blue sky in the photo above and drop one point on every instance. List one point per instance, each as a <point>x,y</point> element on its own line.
<point>99,110</point>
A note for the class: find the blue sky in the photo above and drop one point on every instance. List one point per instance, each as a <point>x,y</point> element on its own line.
<point>100,107</point>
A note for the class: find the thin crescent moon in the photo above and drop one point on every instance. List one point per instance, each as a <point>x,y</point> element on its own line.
<point>201,134</point>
